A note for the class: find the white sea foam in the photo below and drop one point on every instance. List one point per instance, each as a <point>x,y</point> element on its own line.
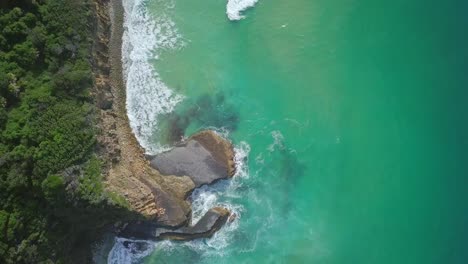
<point>129,251</point>
<point>204,199</point>
<point>147,95</point>
<point>241,157</point>
<point>234,8</point>
<point>220,131</point>
<point>278,141</point>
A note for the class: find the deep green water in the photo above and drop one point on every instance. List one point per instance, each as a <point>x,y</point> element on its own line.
<point>367,101</point>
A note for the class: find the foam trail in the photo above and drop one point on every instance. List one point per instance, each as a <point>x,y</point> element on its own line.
<point>147,95</point>
<point>278,141</point>
<point>235,7</point>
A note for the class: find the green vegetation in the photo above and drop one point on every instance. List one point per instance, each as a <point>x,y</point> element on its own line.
<point>53,203</point>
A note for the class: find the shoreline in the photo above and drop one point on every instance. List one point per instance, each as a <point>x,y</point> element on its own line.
<point>160,199</point>
<point>126,170</point>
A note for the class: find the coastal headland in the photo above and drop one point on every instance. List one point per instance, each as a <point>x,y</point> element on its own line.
<point>157,190</point>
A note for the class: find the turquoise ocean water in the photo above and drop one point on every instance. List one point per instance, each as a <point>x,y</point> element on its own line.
<point>349,118</point>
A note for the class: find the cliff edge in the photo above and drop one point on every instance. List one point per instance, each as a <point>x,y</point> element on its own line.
<point>127,172</point>
<point>160,198</point>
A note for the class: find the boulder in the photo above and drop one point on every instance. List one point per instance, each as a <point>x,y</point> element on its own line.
<point>205,158</point>
<point>220,148</point>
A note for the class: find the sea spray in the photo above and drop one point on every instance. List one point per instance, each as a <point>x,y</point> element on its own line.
<point>147,95</point>
<point>234,8</point>
<point>129,251</point>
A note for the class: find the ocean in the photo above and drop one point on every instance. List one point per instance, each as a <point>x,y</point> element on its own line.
<point>349,120</point>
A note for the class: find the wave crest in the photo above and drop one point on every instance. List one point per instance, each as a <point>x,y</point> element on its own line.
<point>234,8</point>
<point>147,95</point>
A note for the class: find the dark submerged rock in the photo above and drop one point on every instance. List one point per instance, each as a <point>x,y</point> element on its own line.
<point>206,110</point>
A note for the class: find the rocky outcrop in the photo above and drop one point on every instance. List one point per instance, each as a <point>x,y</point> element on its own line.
<point>160,198</point>
<point>205,158</point>
<point>209,224</point>
<point>202,159</point>
<point>127,172</point>
<point>221,149</point>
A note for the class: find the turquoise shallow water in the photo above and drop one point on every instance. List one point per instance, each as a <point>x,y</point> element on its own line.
<point>355,115</point>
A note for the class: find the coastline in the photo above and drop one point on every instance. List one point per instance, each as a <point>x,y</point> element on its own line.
<point>160,199</point>
<point>126,170</point>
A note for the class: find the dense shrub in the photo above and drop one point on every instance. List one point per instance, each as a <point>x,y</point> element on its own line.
<point>46,127</point>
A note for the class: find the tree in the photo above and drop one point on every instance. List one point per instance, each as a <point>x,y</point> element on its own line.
<point>53,188</point>
<point>24,54</point>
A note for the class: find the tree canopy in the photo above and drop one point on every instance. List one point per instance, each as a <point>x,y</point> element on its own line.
<point>52,199</point>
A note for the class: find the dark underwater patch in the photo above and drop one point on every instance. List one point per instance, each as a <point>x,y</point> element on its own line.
<point>205,111</point>
<point>291,171</point>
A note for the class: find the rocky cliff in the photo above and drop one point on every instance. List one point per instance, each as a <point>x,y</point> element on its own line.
<point>127,172</point>
<point>160,198</point>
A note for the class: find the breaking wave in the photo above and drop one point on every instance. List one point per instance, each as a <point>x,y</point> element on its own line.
<point>147,95</point>
<point>234,8</point>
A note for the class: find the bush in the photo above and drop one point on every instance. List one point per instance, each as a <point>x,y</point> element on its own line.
<point>46,127</point>
<point>53,187</point>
